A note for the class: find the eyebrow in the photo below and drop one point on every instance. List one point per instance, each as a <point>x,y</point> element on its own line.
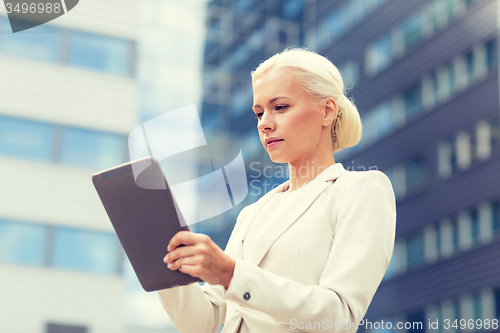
<point>270,101</point>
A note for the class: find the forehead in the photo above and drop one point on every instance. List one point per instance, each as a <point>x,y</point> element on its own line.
<point>277,81</point>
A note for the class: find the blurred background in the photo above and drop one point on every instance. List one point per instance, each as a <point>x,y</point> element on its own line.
<point>423,74</point>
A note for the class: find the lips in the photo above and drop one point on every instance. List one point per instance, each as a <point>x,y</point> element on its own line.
<point>273,143</point>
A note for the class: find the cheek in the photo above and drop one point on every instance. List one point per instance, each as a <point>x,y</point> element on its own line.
<point>305,125</point>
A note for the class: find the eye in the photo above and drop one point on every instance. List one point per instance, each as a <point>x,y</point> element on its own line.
<point>281,107</point>
<point>258,115</point>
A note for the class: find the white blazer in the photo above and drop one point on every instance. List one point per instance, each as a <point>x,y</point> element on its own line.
<point>315,269</point>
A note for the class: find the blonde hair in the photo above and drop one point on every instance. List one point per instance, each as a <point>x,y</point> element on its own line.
<point>321,79</point>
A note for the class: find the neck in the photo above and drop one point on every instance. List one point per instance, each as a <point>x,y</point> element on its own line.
<point>303,172</point>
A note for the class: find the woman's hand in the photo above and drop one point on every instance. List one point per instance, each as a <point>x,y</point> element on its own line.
<point>199,257</point>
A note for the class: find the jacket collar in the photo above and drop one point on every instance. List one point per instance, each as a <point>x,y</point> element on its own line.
<point>309,193</point>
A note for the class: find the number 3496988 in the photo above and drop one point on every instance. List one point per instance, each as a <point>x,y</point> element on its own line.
<point>34,8</point>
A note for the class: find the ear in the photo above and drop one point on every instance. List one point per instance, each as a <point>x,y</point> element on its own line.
<point>329,111</point>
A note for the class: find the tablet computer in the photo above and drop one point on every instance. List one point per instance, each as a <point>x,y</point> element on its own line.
<point>144,219</point>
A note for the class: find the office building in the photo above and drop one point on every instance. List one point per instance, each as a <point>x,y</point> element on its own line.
<point>425,78</point>
<point>69,100</point>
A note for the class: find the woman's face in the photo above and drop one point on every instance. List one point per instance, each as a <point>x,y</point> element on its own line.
<point>287,112</point>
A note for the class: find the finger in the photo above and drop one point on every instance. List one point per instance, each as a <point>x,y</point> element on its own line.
<point>182,237</point>
<point>192,270</point>
<point>182,251</point>
<point>189,261</point>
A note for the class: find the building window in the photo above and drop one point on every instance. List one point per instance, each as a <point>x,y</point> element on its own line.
<point>107,54</point>
<point>291,9</point>
<point>429,91</point>
<point>354,11</point>
<point>457,309</point>
<point>495,132</point>
<point>46,43</point>
<point>464,150</point>
<point>496,216</point>
<point>397,176</point>
<point>415,174</point>
<point>379,54</point>
<point>334,24</point>
<point>38,43</point>
<point>412,31</point>
<point>477,307</point>
<point>243,5</point>
<point>60,328</point>
<point>74,146</point>
<point>415,250</point>
<point>456,234</point>
<point>282,37</point>
<point>469,67</point>
<point>481,146</point>
<point>438,245</point>
<point>447,157</point>
<point>497,303</point>
<point>22,243</point>
<point>83,250</point>
<point>431,243</point>
<point>94,149</point>
<point>213,118</point>
<point>475,225</point>
<point>446,82</point>
<point>241,102</point>
<point>491,53</point>
<point>412,101</point>
<point>448,231</point>
<point>418,322</point>
<point>350,73</point>
<point>431,18</point>
<point>26,138</point>
<point>377,123</point>
<point>439,317</point>
<point>398,260</point>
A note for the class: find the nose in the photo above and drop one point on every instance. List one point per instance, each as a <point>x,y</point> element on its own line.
<point>266,122</point>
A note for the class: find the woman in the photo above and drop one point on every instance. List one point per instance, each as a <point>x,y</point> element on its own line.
<point>309,255</point>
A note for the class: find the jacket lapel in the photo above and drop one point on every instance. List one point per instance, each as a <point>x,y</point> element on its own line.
<point>290,212</point>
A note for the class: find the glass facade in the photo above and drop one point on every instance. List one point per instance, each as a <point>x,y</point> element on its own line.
<point>434,16</point>
<point>82,147</point>
<point>83,250</point>
<point>22,243</point>
<point>74,146</point>
<point>292,9</point>
<point>491,53</point>
<point>106,54</point>
<point>415,250</point>
<point>379,54</point>
<point>48,43</point>
<point>496,216</point>
<point>40,245</point>
<point>412,31</point>
<point>42,42</point>
<point>412,101</point>
<point>415,174</point>
<point>402,95</point>
<point>497,302</point>
<point>26,138</point>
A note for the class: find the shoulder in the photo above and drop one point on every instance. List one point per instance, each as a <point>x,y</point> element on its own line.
<point>375,178</point>
<point>364,183</point>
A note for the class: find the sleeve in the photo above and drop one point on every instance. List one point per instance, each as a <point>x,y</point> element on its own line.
<point>359,255</point>
<point>195,308</point>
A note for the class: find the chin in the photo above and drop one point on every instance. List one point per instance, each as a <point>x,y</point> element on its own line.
<point>278,160</point>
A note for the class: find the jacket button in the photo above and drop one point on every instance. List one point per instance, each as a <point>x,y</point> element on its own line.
<point>246,296</point>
